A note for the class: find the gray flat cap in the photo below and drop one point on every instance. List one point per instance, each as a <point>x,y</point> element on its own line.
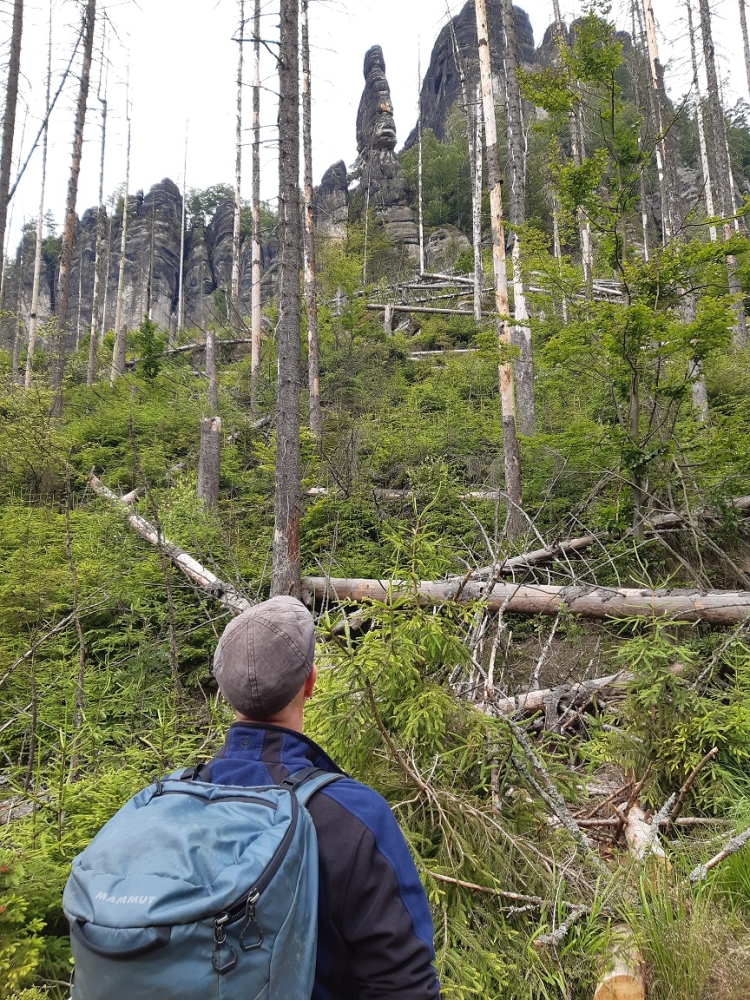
<point>265,656</point>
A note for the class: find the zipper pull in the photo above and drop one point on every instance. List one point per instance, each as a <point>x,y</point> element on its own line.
<point>220,939</point>
<point>251,924</point>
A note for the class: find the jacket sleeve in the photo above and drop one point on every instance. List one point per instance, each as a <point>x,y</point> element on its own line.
<point>386,921</point>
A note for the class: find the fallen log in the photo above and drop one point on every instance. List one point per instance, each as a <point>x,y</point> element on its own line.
<point>572,546</point>
<point>536,701</point>
<point>199,346</point>
<point>395,495</point>
<point>224,593</point>
<point>716,607</point>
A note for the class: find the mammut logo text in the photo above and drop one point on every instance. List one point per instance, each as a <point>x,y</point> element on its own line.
<point>125,900</point>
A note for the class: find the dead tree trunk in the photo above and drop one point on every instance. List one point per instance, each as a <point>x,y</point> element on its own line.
<point>209,461</point>
<point>287,503</point>
<point>311,292</point>
<point>745,41</point>
<point>9,121</point>
<point>34,318</point>
<point>256,329</point>
<point>511,453</point>
<point>705,165</point>
<point>118,349</point>
<point>718,607</point>
<point>100,213</point>
<point>18,324</point>
<point>181,275</point>
<point>66,250</point>
<point>474,143</point>
<point>235,297</point>
<point>521,332</point>
<point>660,126</point>
<point>211,373</point>
<point>723,188</point>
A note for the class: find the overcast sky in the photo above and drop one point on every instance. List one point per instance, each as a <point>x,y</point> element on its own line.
<point>183,66</point>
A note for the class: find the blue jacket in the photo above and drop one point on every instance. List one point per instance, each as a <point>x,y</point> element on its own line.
<point>375,934</point>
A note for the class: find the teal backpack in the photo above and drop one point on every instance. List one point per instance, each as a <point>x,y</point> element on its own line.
<point>195,891</point>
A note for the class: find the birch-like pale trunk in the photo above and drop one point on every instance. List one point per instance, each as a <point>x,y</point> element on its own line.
<point>80,293</point>
<point>211,372</point>
<point>18,325</point>
<point>106,281</point>
<point>236,248</point>
<point>420,175</point>
<point>667,222</point>
<point>521,332</point>
<point>118,349</point>
<point>476,210</point>
<point>723,188</point>
<point>66,250</point>
<point>745,41</point>
<point>311,290</point>
<point>255,307</point>
<point>705,166</point>
<point>100,213</point>
<point>638,95</point>
<point>9,121</point>
<point>514,522</point>
<point>285,576</point>
<point>183,219</point>
<point>474,140</point>
<point>557,251</point>
<point>34,318</point>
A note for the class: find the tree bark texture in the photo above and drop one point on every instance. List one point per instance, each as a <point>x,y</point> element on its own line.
<point>521,332</point>
<point>285,577</point>
<point>705,164</point>
<point>9,120</point>
<point>209,461</point>
<point>255,306</point>
<point>745,41</point>
<point>34,317</point>
<point>514,523</point>
<point>624,978</point>
<point>311,291</point>
<point>717,607</point>
<point>211,373</point>
<point>118,349</point>
<point>235,302</point>
<point>723,166</point>
<point>66,250</point>
<point>99,253</point>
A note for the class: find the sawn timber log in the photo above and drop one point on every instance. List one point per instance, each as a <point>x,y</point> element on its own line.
<point>716,607</point>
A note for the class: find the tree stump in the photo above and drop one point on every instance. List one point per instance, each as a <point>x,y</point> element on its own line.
<point>209,462</point>
<point>624,979</point>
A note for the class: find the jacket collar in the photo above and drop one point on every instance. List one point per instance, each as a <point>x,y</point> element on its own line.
<point>265,742</point>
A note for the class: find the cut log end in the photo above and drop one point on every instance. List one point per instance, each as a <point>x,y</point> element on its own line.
<point>621,984</point>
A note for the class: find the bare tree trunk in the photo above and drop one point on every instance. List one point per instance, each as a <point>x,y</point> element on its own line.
<point>9,121</point>
<point>106,282</point>
<point>311,293</point>
<point>514,523</point>
<point>66,250</point>
<point>521,332</point>
<point>557,250</point>
<point>476,210</point>
<point>209,462</point>
<point>474,142</point>
<point>286,553</point>
<point>668,226</point>
<point>256,317</point>
<point>80,293</point>
<point>34,318</point>
<point>635,65</point>
<point>236,248</point>
<point>181,275</point>
<point>100,213</point>
<point>726,207</point>
<point>118,349</point>
<point>211,373</point>
<point>745,42</point>
<point>420,174</point>
<point>18,325</point>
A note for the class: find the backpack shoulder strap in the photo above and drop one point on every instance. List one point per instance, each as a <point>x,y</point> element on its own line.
<point>308,781</point>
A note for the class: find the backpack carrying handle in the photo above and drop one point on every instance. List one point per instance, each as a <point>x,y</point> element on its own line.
<point>160,940</point>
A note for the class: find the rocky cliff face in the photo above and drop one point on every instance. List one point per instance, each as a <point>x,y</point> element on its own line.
<point>383,186</point>
<point>332,202</point>
<point>441,87</point>
<point>152,264</point>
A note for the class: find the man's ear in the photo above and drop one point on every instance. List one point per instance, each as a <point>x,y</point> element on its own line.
<point>310,682</point>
